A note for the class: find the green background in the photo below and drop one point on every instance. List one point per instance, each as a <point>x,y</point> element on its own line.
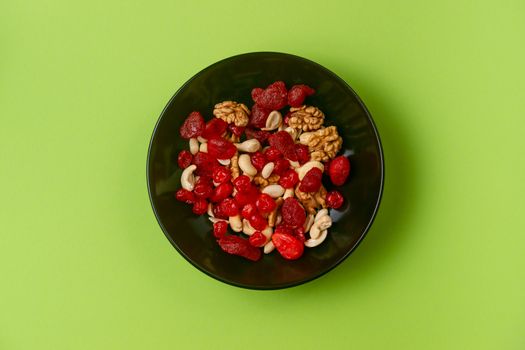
<point>84,265</point>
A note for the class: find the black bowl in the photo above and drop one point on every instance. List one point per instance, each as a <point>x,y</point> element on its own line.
<point>232,79</point>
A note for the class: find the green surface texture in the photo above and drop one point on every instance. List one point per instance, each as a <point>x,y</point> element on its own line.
<point>84,264</point>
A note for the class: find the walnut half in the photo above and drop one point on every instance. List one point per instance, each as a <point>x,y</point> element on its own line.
<point>323,143</point>
<point>306,118</point>
<point>232,112</point>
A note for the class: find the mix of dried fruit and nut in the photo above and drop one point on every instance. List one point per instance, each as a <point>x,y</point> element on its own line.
<point>268,187</point>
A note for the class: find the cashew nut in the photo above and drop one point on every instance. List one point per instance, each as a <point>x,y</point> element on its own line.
<point>308,223</point>
<point>274,120</point>
<point>267,170</point>
<point>322,212</point>
<point>315,242</point>
<point>194,146</point>
<point>306,167</point>
<point>323,223</point>
<point>204,147</point>
<point>268,231</point>
<point>249,146</point>
<point>235,223</point>
<point>187,180</point>
<point>268,247</point>
<point>247,227</point>
<point>246,165</point>
<point>289,192</point>
<point>274,191</point>
<point>210,210</point>
<point>294,164</point>
<point>225,162</point>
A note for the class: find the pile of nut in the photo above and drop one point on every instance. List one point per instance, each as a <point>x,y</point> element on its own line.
<point>261,174</point>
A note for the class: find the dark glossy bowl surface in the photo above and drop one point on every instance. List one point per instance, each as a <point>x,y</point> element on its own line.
<point>233,79</point>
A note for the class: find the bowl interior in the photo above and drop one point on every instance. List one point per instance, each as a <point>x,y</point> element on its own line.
<point>233,79</point>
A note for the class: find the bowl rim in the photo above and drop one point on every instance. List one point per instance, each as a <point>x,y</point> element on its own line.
<point>363,233</point>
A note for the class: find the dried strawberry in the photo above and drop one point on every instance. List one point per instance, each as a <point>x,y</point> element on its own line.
<point>258,222</point>
<point>238,246</point>
<point>282,228</point>
<point>220,228</point>
<point>193,126</point>
<point>221,192</point>
<point>221,175</point>
<point>220,148</point>
<point>284,143</point>
<point>242,183</point>
<point>265,203</point>
<point>184,159</point>
<point>311,181</point>
<point>288,246</point>
<point>229,207</point>
<point>258,116</point>
<point>200,206</point>
<point>205,164</point>
<point>185,196</point>
<point>214,128</point>
<point>280,166</point>
<point>258,160</point>
<point>257,239</point>
<point>203,187</point>
<point>334,199</point>
<point>289,178</point>
<point>339,170</point>
<point>272,154</point>
<point>236,130</point>
<point>274,97</point>
<point>259,135</point>
<point>293,213</point>
<point>298,93</point>
<point>303,154</point>
<point>256,92</point>
<point>248,210</point>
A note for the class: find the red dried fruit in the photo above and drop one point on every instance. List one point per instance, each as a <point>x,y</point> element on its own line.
<point>311,181</point>
<point>303,154</point>
<point>339,170</point>
<point>284,143</point>
<point>238,246</point>
<point>200,206</point>
<point>334,199</point>
<point>265,203</point>
<point>203,187</point>
<point>259,135</point>
<point>236,130</point>
<point>258,160</point>
<point>257,239</point>
<point>272,154</point>
<point>242,183</point>
<point>221,192</point>
<point>298,93</point>
<point>288,246</point>
<point>293,213</point>
<point>274,97</point>
<point>281,228</point>
<point>258,116</point>
<point>193,126</point>
<point>218,213</point>
<point>248,196</point>
<point>205,164</point>
<point>256,92</point>
<point>280,166</point>
<point>258,222</point>
<point>248,210</point>
<point>221,175</point>
<point>220,228</point>
<point>228,207</point>
<point>289,178</point>
<point>214,128</point>
<point>184,159</point>
<point>220,148</point>
<point>185,196</point>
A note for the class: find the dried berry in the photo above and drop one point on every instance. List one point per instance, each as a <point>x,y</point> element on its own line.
<point>205,164</point>
<point>242,183</point>
<point>221,175</point>
<point>258,160</point>
<point>236,130</point>
<point>203,187</point>
<point>257,239</point>
<point>258,116</point>
<point>221,192</point>
<point>259,135</point>
<point>265,203</point>
<point>272,154</point>
<point>334,199</point>
<point>256,92</point>
<point>214,128</point>
<point>293,213</point>
<point>185,196</point>
<point>311,181</point>
<point>289,178</point>
<point>200,206</point>
<point>258,222</point>
<point>282,228</point>
<point>284,143</point>
<point>248,210</point>
<point>302,152</point>
<point>193,126</point>
<point>229,207</point>
<point>298,93</point>
<point>274,97</point>
<point>220,228</point>
<point>218,213</point>
<point>288,246</point>
<point>239,246</point>
<point>220,148</point>
<point>280,166</point>
<point>339,170</point>
<point>248,196</point>
<point>184,159</point>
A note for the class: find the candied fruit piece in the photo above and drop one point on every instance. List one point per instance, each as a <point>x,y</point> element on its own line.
<point>193,126</point>
<point>293,213</point>
<point>288,246</point>
<point>239,246</point>
<point>311,181</point>
<point>339,170</point>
